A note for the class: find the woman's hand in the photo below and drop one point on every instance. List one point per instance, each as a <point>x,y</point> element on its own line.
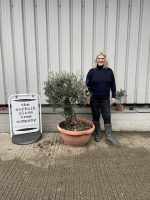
<point>113,100</point>
<point>88,100</point>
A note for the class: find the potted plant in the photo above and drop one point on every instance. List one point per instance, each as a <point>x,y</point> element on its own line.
<point>120,99</point>
<point>64,91</point>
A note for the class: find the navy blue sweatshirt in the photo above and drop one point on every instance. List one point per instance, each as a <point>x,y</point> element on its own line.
<point>101,81</point>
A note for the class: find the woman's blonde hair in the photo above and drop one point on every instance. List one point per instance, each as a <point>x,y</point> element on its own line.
<point>106,59</point>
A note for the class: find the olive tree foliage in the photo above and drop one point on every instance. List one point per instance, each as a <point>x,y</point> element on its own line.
<point>121,96</point>
<point>64,90</point>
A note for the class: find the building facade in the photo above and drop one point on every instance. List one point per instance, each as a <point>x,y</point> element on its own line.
<point>39,36</point>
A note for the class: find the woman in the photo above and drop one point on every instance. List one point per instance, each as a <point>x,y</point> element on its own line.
<point>100,81</point>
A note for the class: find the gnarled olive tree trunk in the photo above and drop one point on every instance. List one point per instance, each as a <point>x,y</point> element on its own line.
<point>69,112</point>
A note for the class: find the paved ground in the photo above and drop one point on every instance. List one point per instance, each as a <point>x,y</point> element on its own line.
<point>50,170</point>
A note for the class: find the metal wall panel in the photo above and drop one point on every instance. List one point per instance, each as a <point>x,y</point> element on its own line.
<point>132,50</point>
<point>2,88</point>
<point>41,45</point>
<point>18,46</point>
<point>9,70</point>
<point>98,26</point>
<point>111,31</point>
<point>75,39</point>
<point>30,35</point>
<point>143,54</point>
<point>88,35</point>
<point>121,42</point>
<point>38,36</point>
<point>53,35</point>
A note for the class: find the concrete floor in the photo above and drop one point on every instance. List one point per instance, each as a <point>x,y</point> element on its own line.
<point>50,170</point>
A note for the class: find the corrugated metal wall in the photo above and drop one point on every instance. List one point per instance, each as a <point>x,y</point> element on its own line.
<point>37,36</point>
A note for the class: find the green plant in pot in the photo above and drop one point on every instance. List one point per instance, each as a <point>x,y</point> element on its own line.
<point>64,91</point>
<point>120,99</point>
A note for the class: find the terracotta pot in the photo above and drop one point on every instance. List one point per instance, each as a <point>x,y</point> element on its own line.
<point>77,138</point>
<point>119,108</point>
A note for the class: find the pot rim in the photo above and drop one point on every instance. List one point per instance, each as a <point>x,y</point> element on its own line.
<point>76,133</point>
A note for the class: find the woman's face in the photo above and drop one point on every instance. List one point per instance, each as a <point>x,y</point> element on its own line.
<point>101,60</point>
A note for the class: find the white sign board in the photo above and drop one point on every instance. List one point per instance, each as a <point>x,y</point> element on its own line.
<point>25,114</point>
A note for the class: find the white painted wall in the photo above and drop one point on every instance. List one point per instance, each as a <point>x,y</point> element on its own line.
<point>38,36</point>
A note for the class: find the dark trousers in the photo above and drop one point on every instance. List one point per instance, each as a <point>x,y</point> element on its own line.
<point>101,104</point>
